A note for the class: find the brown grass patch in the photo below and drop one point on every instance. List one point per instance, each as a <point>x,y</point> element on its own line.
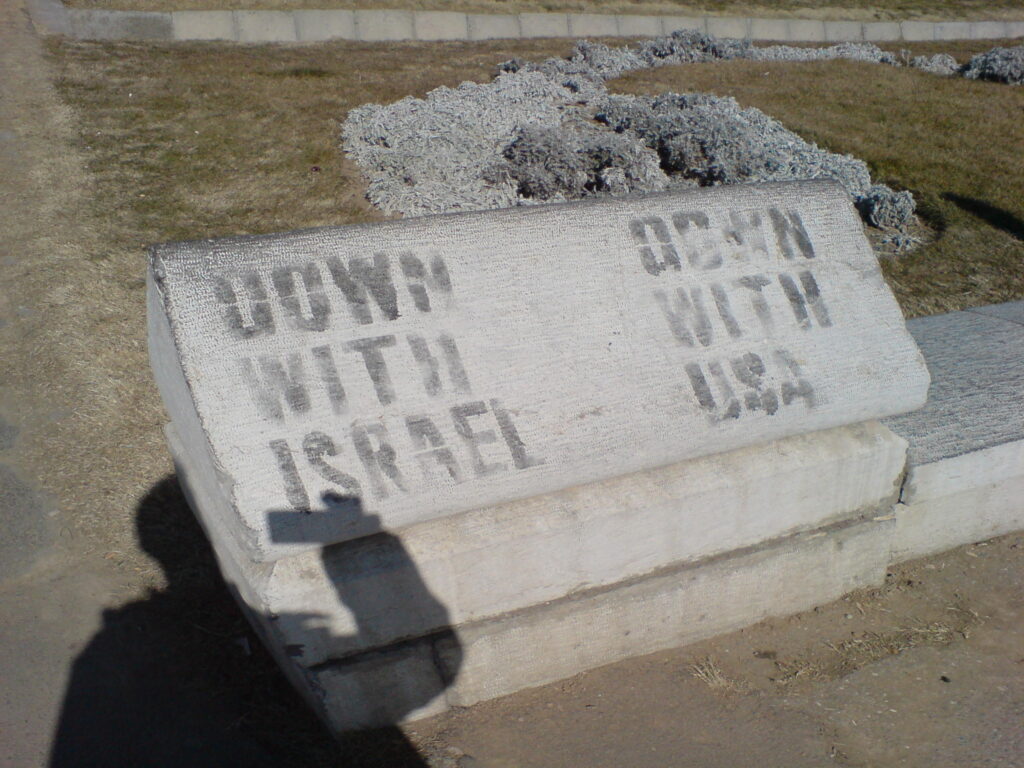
<point>708,672</point>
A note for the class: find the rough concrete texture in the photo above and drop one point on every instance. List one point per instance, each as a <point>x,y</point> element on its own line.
<point>844,31</point>
<point>881,31</point>
<point>483,26</point>
<point>507,133</point>
<point>384,25</point>
<point>265,26</point>
<point>989,30</point>
<point>614,372</point>
<point>592,25</point>
<point>953,30</point>
<point>544,24</point>
<point>499,559</point>
<point>769,29</point>
<point>737,28</point>
<point>314,26</point>
<point>974,401</point>
<point>640,25</point>
<point>204,25</point>
<point>917,30</point>
<point>672,24</point>
<point>803,30</point>
<point>120,25</point>
<point>440,25</point>
<point>1003,65</point>
<point>596,627</point>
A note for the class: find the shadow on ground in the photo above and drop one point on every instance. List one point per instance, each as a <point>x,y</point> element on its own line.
<point>180,679</point>
<point>990,214</point>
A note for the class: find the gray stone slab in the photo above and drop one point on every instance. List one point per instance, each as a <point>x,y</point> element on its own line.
<point>769,29</point>
<point>728,26</point>
<point>265,26</point>
<point>953,30</point>
<point>49,17</point>
<point>647,26</point>
<point>913,31</point>
<point>440,25</point>
<point>593,25</point>
<point>988,30</point>
<point>844,31</point>
<point>493,26</point>
<point>977,379</point>
<point>544,24</point>
<point>807,30</point>
<point>610,337</point>
<point>120,25</point>
<point>1014,29</point>
<point>313,26</point>
<point>881,31</point>
<point>384,25</point>
<point>1011,311</point>
<point>204,25</point>
<point>675,23</point>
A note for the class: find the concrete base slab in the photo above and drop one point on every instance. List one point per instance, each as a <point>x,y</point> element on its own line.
<point>881,31</point>
<point>676,23</point>
<point>844,31</point>
<point>729,27</point>
<point>806,30</point>
<point>649,26</point>
<point>544,24</point>
<point>384,25</point>
<point>769,29</point>
<point>988,30</point>
<point>265,26</point>
<point>953,30</point>
<point>204,25</point>
<point>119,25</point>
<point>440,25</point>
<point>592,25</point>
<point>917,30</point>
<point>554,641</point>
<point>484,26</point>
<point>313,26</point>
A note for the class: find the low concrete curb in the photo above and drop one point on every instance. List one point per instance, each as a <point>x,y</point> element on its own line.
<point>53,18</point>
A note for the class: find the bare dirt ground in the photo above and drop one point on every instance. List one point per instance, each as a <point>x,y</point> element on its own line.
<point>112,614</point>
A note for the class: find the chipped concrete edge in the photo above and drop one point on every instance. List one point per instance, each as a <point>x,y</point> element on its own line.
<point>51,17</point>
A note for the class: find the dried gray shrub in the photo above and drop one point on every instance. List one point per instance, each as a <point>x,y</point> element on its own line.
<point>939,64</point>
<point>1003,65</point>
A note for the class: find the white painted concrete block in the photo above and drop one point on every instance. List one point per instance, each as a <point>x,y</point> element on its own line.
<point>204,25</point>
<point>988,30</point>
<point>544,24</point>
<point>440,25</point>
<point>554,641</point>
<point>728,26</point>
<point>334,387</point>
<point>953,30</point>
<point>676,23</point>
<point>265,26</point>
<point>384,25</point>
<point>807,30</point>
<point>844,31</point>
<point>769,29</point>
<point>488,26</point>
<point>592,25</point>
<point>641,26</point>
<point>917,30</point>
<point>313,26</point>
<point>881,31</point>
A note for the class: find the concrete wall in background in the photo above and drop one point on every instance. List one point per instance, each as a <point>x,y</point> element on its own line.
<point>52,17</point>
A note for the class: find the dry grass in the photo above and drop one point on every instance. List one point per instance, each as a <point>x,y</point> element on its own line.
<point>708,672</point>
<point>956,144</point>
<point>867,10</point>
<point>848,656</point>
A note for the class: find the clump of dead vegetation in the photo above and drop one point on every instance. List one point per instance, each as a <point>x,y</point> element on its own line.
<point>708,671</point>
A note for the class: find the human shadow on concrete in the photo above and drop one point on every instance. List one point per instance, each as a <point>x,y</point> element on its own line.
<point>992,215</point>
<point>178,678</point>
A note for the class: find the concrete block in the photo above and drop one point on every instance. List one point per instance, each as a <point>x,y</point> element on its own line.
<point>296,356</point>
<point>961,500</point>
<point>593,25</point>
<point>881,31</point>
<point>314,26</point>
<point>500,559</point>
<point>640,26</point>
<point>493,26</point>
<point>204,25</point>
<point>953,30</point>
<point>728,26</point>
<point>676,608</point>
<point>49,17</point>
<point>917,30</point>
<point>844,31</point>
<point>1014,29</point>
<point>1011,311</point>
<point>265,26</point>
<point>807,30</point>
<point>119,25</point>
<point>974,401</point>
<point>672,24</point>
<point>773,30</point>
<point>544,24</point>
<point>988,30</point>
<point>440,25</point>
<point>384,25</point>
